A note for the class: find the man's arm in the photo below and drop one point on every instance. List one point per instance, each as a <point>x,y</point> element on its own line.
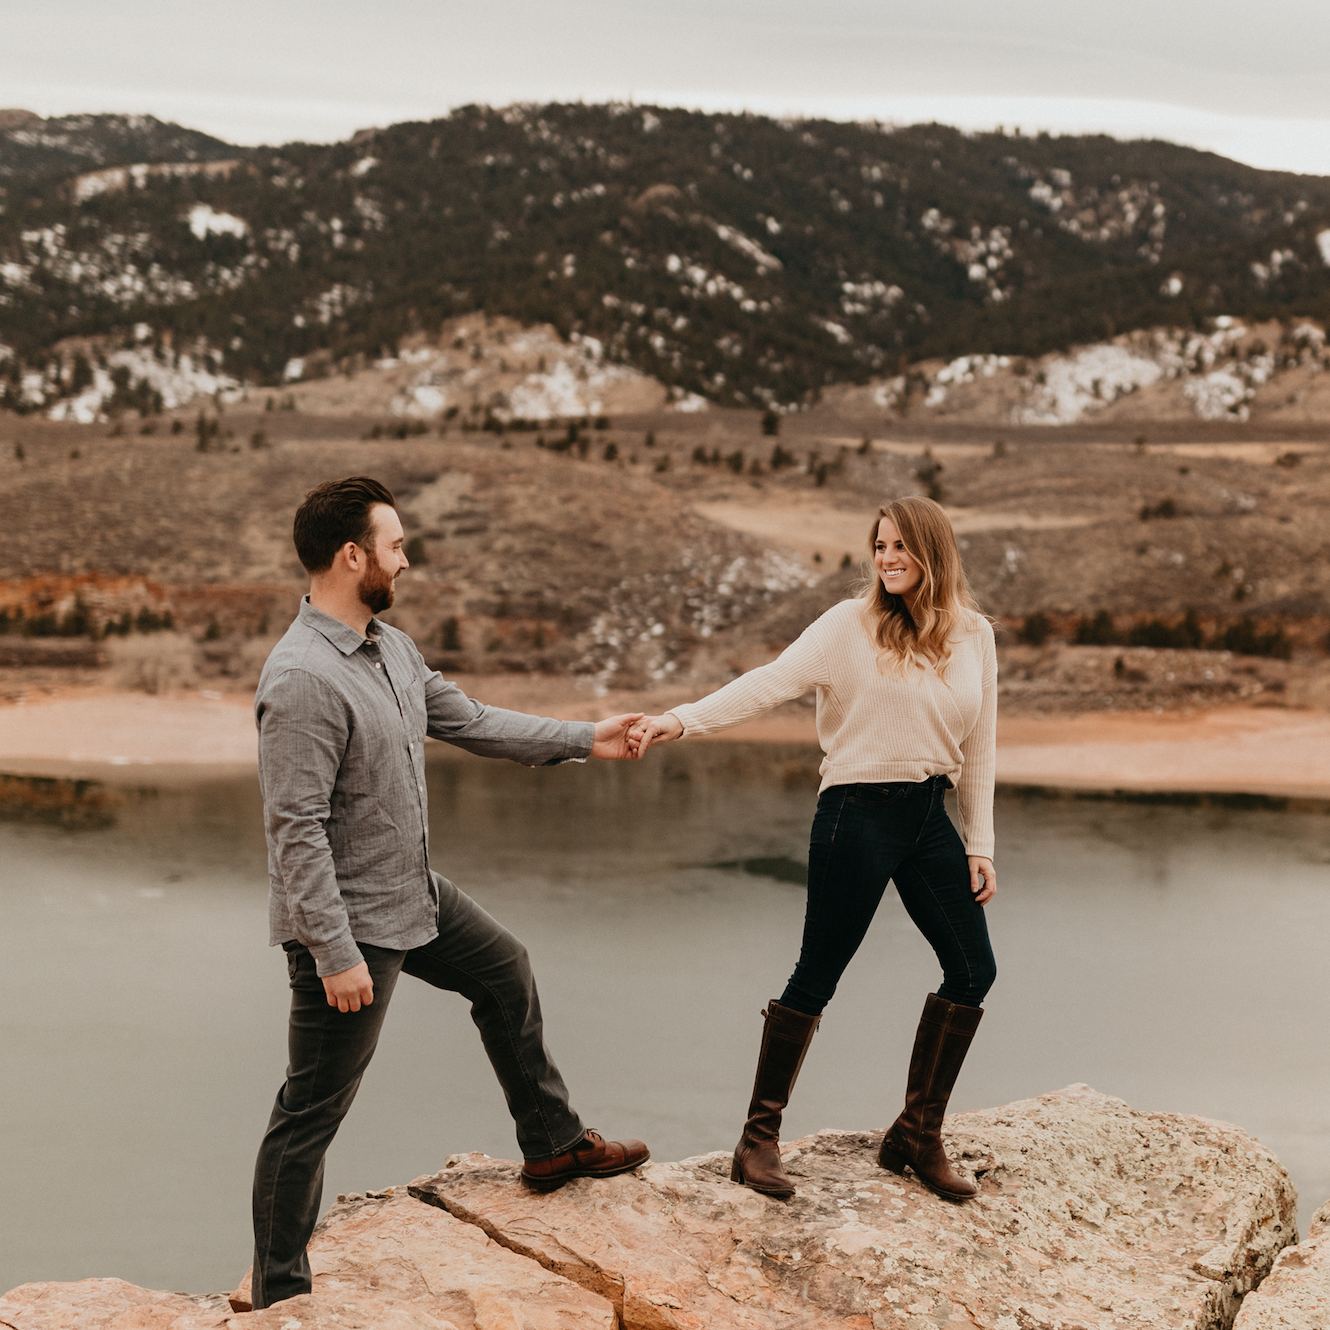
<point>535,741</point>
<point>303,733</point>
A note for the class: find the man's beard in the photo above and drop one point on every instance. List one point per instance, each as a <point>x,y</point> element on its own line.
<point>375,588</point>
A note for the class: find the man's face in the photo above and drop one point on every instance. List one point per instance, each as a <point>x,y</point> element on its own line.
<point>384,560</point>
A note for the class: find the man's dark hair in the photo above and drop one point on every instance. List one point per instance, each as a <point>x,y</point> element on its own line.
<point>336,512</point>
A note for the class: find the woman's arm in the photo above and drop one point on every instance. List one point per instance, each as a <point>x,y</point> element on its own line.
<point>974,790</point>
<point>801,666</point>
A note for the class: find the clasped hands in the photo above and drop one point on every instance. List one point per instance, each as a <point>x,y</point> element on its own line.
<point>629,736</point>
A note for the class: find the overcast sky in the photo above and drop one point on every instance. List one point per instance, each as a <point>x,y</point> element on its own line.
<point>1245,79</point>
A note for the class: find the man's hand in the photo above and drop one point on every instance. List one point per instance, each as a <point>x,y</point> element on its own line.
<point>350,990</point>
<point>654,730</point>
<point>611,737</point>
<point>983,878</point>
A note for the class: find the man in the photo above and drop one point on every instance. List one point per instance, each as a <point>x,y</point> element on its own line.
<point>343,708</point>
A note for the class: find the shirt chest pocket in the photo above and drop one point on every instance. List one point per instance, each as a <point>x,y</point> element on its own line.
<point>413,705</point>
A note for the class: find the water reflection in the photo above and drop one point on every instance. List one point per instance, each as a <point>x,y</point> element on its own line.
<point>1169,955</point>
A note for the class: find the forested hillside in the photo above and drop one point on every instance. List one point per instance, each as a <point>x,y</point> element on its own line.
<point>745,259</point>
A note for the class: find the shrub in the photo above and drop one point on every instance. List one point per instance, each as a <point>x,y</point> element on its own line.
<point>780,457</point>
<point>1244,639</point>
<point>450,638</point>
<point>770,422</point>
<point>735,461</point>
<point>1097,632</point>
<point>1036,629</point>
<point>148,621</point>
<point>415,550</point>
<point>205,431</point>
<point>1165,508</point>
<point>928,474</point>
<point>1184,636</point>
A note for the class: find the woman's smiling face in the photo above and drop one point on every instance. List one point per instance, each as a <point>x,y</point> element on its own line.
<point>899,570</point>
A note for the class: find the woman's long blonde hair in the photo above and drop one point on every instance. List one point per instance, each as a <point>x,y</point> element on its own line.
<point>909,633</point>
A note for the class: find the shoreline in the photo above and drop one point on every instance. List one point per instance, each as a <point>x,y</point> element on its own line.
<point>118,738</point>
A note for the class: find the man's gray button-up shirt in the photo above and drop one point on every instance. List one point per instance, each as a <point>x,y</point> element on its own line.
<point>342,721</point>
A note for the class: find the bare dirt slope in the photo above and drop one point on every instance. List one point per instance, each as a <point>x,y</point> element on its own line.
<point>675,546</point>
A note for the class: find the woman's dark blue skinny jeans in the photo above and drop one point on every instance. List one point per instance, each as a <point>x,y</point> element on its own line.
<point>863,837</point>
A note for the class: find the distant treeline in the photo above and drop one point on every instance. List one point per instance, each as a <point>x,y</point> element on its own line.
<point>1242,636</point>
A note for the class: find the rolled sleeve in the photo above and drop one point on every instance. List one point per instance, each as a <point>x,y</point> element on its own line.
<point>534,741</point>
<point>303,732</point>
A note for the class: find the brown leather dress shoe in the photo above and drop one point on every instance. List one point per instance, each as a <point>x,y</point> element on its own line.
<point>592,1157</point>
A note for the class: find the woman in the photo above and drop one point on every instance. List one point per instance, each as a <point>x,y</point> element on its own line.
<point>906,680</point>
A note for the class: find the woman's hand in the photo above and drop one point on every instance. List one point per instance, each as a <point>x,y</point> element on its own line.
<point>653,730</point>
<point>983,878</point>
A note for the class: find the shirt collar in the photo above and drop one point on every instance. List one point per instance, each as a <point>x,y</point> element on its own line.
<point>341,635</point>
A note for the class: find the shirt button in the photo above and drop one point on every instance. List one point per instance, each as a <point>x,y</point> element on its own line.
<point>378,665</point>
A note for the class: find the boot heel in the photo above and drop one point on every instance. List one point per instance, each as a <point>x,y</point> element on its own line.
<point>891,1159</point>
<point>736,1173</point>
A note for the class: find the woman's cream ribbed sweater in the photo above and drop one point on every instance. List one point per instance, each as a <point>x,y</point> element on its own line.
<point>877,727</point>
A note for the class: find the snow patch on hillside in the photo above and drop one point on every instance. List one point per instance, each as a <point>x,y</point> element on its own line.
<point>206,221</point>
<point>1086,381</point>
<point>570,383</point>
<point>964,369</point>
<point>177,381</point>
<point>1220,372</point>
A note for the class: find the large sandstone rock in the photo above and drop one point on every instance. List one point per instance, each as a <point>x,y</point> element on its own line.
<point>381,1262</point>
<point>1091,1215</point>
<point>1296,1293</point>
<point>389,1248</point>
<point>107,1304</point>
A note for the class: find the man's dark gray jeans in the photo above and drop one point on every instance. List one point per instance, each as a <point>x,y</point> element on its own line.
<point>473,955</point>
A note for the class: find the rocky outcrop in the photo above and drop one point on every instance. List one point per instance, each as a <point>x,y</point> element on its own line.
<point>1090,1215</point>
<point>107,1304</point>
<point>1296,1294</point>
<point>388,1247</point>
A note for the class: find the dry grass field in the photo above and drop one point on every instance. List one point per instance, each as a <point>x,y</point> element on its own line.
<point>668,549</point>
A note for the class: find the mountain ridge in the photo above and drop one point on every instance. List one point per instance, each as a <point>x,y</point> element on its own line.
<point>743,259</point>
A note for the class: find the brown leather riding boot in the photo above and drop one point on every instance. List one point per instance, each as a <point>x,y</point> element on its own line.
<point>785,1040</point>
<point>915,1138</point>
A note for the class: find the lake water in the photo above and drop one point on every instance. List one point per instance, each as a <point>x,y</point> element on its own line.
<point>1172,956</point>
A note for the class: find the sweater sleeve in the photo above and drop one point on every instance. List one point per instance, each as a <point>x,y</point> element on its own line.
<point>801,666</point>
<point>974,791</point>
